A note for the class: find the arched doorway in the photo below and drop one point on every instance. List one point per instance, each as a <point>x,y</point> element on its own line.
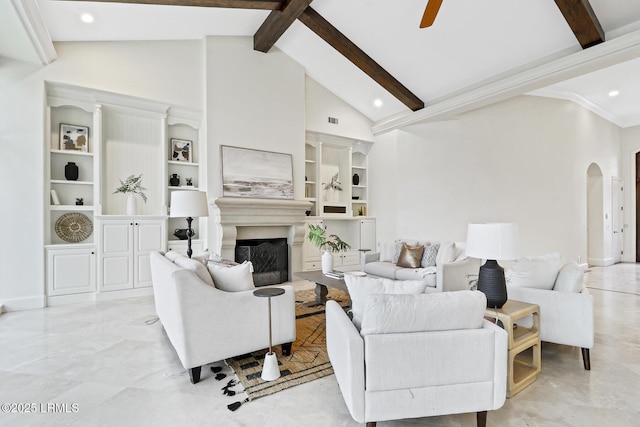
<point>595,220</point>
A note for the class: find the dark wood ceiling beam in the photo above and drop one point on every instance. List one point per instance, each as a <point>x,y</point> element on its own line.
<point>231,4</point>
<point>277,23</point>
<point>583,21</point>
<point>353,53</point>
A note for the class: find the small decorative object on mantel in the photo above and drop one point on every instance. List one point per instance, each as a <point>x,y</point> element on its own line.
<point>71,171</point>
<point>174,180</point>
<point>132,186</point>
<point>79,201</point>
<point>331,243</point>
<point>189,181</point>
<point>356,179</point>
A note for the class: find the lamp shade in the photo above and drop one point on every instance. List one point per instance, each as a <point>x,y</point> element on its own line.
<point>495,241</point>
<point>189,204</point>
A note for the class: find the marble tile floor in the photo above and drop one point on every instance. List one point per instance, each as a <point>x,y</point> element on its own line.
<point>110,364</point>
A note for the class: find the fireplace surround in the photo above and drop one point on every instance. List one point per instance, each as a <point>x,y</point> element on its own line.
<point>245,219</point>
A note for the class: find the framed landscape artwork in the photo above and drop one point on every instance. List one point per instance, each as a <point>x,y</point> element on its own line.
<point>74,138</point>
<point>181,150</point>
<point>256,174</point>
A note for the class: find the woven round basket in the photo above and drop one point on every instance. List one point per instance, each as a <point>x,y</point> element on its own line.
<point>73,227</point>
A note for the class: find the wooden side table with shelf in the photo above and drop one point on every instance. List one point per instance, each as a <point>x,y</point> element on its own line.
<point>524,359</point>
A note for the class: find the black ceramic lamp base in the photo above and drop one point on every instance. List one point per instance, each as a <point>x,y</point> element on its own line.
<point>491,282</point>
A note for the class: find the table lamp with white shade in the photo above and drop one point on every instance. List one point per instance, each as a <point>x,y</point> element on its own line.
<point>493,242</point>
<point>189,204</point>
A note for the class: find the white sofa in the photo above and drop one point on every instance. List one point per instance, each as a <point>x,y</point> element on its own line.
<point>566,306</point>
<point>206,324</point>
<point>417,356</point>
<point>449,274</point>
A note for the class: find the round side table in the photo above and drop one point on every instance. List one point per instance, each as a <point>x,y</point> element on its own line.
<point>270,369</point>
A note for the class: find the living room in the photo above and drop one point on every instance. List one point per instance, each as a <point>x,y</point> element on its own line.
<point>524,159</point>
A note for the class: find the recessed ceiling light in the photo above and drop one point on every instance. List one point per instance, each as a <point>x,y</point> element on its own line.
<point>87,18</point>
<point>614,93</point>
<point>377,103</point>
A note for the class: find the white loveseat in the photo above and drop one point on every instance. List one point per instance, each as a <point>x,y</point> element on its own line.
<point>566,306</point>
<point>417,356</point>
<point>206,324</point>
<point>450,272</point>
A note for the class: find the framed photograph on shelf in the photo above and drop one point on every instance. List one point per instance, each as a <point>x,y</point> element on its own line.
<point>256,174</point>
<point>74,137</point>
<point>181,150</point>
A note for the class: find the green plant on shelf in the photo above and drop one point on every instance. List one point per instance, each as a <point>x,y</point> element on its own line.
<point>318,236</point>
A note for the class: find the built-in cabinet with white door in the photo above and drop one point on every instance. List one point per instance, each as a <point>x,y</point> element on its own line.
<point>91,247</point>
<point>125,245</point>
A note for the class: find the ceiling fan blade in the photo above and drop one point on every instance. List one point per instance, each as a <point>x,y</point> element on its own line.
<point>430,12</point>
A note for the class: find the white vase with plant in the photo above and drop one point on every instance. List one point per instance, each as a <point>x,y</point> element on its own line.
<point>332,243</point>
<point>132,186</point>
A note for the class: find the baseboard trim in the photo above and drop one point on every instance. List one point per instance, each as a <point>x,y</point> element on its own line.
<point>600,262</point>
<point>19,304</point>
<point>126,293</point>
<point>56,300</point>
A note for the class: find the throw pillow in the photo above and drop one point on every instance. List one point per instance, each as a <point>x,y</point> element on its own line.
<point>569,278</point>
<point>429,256</point>
<point>195,266</point>
<point>398,248</point>
<point>361,287</point>
<point>446,253</point>
<point>237,278</point>
<point>387,251</point>
<point>388,314</point>
<point>410,256</point>
<point>534,272</point>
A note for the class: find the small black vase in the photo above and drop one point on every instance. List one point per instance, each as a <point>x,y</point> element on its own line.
<point>71,171</point>
<point>356,179</point>
<point>174,180</point>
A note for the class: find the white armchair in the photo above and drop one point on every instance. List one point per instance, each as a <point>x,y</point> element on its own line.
<point>205,324</point>
<point>566,310</point>
<point>417,356</point>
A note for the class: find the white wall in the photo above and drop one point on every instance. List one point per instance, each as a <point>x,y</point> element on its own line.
<point>322,104</point>
<point>523,160</point>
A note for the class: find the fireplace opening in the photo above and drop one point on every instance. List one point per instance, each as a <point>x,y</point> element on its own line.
<point>270,259</point>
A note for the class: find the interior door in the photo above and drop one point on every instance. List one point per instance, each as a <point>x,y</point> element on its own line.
<point>617,220</point>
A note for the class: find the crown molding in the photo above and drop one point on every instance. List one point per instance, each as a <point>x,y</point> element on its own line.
<point>31,19</point>
<point>572,65</point>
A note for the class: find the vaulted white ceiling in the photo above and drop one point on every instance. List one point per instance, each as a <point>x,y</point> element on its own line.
<point>473,44</point>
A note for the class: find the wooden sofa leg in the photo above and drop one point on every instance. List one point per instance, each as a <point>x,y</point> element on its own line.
<point>194,374</point>
<point>481,418</point>
<point>586,358</point>
<point>371,424</point>
<point>286,348</point>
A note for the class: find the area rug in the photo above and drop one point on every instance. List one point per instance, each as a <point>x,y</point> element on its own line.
<point>308,359</point>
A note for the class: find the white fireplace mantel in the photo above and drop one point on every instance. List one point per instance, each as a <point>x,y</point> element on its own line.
<point>265,218</point>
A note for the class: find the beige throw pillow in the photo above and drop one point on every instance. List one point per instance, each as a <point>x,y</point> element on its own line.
<point>195,266</point>
<point>410,256</point>
<point>237,278</point>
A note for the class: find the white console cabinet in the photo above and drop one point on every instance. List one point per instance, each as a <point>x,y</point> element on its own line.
<point>125,244</point>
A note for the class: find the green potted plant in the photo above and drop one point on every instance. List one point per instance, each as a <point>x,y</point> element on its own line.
<point>132,186</point>
<point>79,201</point>
<point>331,243</point>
